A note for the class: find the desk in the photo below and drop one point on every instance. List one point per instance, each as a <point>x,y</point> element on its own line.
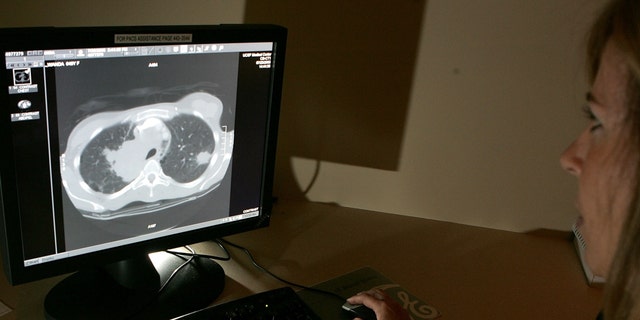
<point>465,272</point>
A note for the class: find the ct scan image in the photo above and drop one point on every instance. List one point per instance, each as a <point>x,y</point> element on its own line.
<point>144,159</point>
<point>144,149</point>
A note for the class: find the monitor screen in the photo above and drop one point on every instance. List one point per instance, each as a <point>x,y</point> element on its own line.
<point>120,141</point>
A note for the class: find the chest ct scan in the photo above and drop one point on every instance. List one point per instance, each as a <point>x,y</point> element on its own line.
<point>147,158</point>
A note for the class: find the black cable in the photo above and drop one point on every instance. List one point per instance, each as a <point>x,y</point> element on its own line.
<point>221,242</point>
<point>191,256</point>
<point>265,270</point>
<point>176,270</point>
<point>194,254</point>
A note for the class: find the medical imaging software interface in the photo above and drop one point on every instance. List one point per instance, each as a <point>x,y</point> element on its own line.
<point>139,141</point>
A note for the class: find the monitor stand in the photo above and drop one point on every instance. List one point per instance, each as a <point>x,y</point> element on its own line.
<point>129,289</point>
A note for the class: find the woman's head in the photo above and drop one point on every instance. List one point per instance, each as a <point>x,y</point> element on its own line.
<point>619,23</point>
<point>605,157</point>
<point>602,160</point>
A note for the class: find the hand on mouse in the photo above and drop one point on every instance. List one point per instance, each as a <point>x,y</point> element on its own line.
<point>384,306</point>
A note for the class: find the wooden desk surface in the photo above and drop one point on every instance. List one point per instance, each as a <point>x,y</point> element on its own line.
<point>465,272</point>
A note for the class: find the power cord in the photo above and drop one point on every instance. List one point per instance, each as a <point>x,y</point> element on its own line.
<point>265,270</point>
<point>227,256</point>
<point>191,255</point>
<point>221,243</point>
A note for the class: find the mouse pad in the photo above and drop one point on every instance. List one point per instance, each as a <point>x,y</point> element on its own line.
<point>328,307</point>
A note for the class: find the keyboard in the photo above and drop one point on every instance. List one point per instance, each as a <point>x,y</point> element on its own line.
<point>277,304</point>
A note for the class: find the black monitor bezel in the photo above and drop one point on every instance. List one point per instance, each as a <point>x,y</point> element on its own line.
<point>18,39</point>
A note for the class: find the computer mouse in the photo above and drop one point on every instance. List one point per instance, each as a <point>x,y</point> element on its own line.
<point>360,311</point>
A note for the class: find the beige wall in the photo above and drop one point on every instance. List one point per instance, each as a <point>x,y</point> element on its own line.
<point>494,96</point>
<point>119,12</point>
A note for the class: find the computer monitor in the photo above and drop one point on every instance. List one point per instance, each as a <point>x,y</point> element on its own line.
<point>122,141</point>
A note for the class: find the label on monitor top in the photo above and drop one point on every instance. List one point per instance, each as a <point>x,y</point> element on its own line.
<point>153,38</point>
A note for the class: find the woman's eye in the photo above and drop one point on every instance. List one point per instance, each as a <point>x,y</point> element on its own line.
<point>595,122</point>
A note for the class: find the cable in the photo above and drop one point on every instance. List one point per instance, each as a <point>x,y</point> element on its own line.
<point>194,254</point>
<point>265,270</point>
<point>221,242</point>
<point>191,257</point>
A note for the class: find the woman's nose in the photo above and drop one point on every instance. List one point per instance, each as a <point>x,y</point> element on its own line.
<point>570,160</point>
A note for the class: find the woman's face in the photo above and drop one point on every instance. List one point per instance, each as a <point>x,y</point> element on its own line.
<point>603,162</point>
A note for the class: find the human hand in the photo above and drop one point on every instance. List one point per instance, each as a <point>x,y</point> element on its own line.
<point>384,306</point>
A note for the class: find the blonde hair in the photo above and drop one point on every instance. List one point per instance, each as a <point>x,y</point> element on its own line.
<point>620,23</point>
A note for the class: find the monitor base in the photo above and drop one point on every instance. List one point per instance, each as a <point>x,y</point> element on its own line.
<point>129,290</point>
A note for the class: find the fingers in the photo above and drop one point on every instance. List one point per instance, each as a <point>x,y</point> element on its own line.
<point>374,299</point>
<point>373,293</point>
<point>383,305</point>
